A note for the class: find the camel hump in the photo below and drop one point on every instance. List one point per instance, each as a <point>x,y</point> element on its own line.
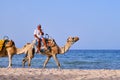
<point>1,44</point>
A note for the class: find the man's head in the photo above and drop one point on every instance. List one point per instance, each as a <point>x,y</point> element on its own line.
<point>39,27</point>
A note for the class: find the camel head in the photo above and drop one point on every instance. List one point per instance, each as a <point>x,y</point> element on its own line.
<point>70,42</point>
<point>72,39</point>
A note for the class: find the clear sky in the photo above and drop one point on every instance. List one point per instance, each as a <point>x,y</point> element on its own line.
<point>96,22</point>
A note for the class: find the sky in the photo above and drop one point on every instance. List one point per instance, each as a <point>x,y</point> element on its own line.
<point>95,22</point>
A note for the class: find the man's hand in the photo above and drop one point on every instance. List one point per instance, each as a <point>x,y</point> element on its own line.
<point>42,33</point>
<point>38,39</point>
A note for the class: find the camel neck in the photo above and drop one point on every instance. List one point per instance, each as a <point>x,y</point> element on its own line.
<point>65,48</point>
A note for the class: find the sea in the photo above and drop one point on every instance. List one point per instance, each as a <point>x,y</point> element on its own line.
<point>73,59</point>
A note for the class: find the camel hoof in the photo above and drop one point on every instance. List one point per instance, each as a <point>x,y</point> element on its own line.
<point>29,67</point>
<point>9,67</point>
<point>59,68</point>
<point>44,68</point>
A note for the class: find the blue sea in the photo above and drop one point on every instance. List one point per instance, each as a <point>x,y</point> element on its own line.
<point>73,59</point>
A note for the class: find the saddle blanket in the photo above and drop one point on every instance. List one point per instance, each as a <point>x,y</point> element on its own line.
<point>1,44</point>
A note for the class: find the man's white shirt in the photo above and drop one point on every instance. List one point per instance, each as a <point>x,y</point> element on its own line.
<point>37,32</point>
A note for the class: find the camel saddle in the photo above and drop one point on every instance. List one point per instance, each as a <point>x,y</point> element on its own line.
<point>1,44</point>
<point>48,45</point>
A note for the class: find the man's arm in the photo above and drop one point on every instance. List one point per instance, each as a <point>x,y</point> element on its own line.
<point>36,36</point>
<point>42,33</point>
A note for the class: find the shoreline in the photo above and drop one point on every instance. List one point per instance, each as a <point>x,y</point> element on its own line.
<point>57,74</point>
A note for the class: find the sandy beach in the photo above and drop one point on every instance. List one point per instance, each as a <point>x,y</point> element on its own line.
<point>56,74</point>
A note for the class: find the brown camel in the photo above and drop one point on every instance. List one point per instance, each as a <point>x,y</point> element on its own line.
<point>55,49</point>
<point>9,50</point>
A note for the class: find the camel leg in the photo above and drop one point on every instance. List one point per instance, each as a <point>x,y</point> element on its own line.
<point>46,61</point>
<point>30,55</point>
<point>29,62</point>
<point>56,60</point>
<point>10,61</point>
<point>24,61</point>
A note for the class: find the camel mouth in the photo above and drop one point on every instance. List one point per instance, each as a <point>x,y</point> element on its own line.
<point>76,39</point>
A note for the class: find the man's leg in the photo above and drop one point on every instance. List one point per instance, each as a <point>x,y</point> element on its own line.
<point>39,45</point>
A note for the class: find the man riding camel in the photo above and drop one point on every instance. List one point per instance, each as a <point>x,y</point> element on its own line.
<point>38,34</point>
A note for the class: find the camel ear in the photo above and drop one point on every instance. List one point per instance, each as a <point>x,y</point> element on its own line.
<point>68,38</point>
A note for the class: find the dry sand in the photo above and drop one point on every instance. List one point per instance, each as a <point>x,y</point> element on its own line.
<point>56,74</point>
